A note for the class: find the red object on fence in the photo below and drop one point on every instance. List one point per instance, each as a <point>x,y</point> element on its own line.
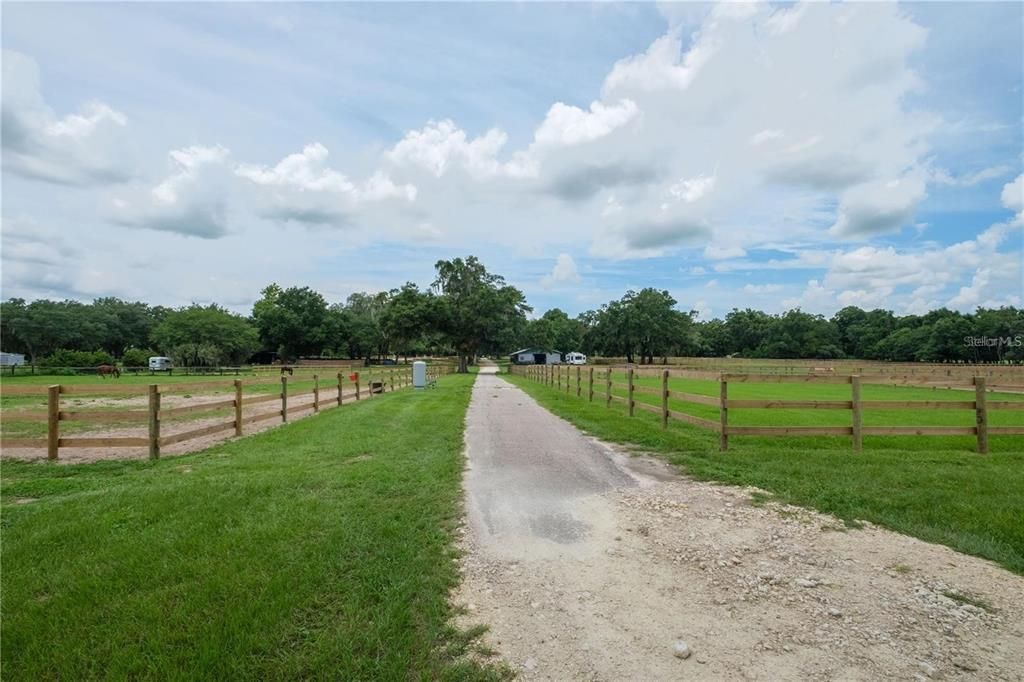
<point>354,376</point>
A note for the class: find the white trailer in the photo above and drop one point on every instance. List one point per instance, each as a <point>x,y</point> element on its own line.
<point>160,364</point>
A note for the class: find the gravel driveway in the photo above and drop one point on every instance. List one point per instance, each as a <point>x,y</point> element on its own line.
<point>589,563</point>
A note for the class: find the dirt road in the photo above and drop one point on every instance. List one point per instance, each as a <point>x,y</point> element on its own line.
<point>588,563</point>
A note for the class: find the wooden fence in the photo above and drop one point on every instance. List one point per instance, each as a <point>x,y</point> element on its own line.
<point>589,381</point>
<point>360,384</point>
<point>934,370</point>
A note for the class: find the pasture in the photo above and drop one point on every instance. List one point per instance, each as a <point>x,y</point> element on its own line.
<point>108,417</point>
<point>321,549</point>
<point>933,487</point>
<point>824,403</point>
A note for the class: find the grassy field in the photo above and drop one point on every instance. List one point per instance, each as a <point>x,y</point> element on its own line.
<point>811,417</point>
<point>930,487</point>
<point>318,550</point>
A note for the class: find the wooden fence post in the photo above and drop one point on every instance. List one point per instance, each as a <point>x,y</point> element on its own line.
<point>558,373</point>
<point>579,381</point>
<point>858,440</point>
<point>629,389</point>
<point>981,414</point>
<point>284,399</point>
<point>608,388</point>
<point>664,399</point>
<point>154,421</point>
<point>238,407</point>
<point>316,393</point>
<point>341,379</point>
<point>590,384</point>
<point>723,414</point>
<point>52,421</point>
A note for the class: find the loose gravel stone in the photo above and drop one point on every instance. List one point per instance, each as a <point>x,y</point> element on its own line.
<point>681,649</point>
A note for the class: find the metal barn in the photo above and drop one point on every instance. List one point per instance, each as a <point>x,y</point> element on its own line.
<point>536,356</point>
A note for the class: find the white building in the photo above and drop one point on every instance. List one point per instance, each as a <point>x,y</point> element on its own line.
<point>535,356</point>
<point>11,359</point>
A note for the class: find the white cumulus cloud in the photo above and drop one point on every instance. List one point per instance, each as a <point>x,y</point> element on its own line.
<point>192,200</point>
<point>83,148</point>
<point>1013,194</point>
<point>563,272</point>
<point>877,207</point>
<point>569,125</point>
<point>441,146</point>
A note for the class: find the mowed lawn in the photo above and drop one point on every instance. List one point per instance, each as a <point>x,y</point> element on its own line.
<point>812,391</point>
<point>935,488</point>
<point>318,550</point>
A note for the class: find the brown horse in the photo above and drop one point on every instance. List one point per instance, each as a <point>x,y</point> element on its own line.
<point>112,370</point>
<point>290,370</point>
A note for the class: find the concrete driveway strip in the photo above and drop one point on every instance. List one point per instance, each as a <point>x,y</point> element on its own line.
<point>533,479</point>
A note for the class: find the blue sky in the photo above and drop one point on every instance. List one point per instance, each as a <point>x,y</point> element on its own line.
<point>769,155</point>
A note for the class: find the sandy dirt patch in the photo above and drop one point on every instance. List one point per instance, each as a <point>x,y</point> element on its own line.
<point>77,455</point>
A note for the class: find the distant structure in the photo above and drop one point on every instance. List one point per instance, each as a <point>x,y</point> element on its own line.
<point>536,356</point>
<point>11,359</point>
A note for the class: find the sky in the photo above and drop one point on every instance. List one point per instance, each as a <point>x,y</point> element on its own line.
<point>765,155</point>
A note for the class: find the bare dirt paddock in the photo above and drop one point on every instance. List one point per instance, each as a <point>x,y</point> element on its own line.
<point>80,455</point>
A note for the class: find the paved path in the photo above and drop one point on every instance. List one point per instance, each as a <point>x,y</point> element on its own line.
<point>533,478</point>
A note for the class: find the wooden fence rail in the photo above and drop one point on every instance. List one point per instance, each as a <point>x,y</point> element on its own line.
<point>980,405</point>
<point>377,380</point>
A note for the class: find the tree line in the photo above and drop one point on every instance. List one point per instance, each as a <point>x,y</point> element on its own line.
<point>648,324</point>
<point>468,311</point>
<point>465,311</point>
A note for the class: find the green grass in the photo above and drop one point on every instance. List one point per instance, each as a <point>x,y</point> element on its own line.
<point>318,550</point>
<point>961,598</point>
<point>934,488</point>
<point>818,417</point>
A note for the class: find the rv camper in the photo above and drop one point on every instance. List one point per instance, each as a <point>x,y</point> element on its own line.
<point>160,364</point>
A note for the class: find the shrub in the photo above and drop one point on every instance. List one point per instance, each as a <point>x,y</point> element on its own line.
<point>76,358</point>
<point>137,357</point>
<point>196,355</point>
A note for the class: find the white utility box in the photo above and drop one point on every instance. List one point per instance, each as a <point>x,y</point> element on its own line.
<point>419,374</point>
